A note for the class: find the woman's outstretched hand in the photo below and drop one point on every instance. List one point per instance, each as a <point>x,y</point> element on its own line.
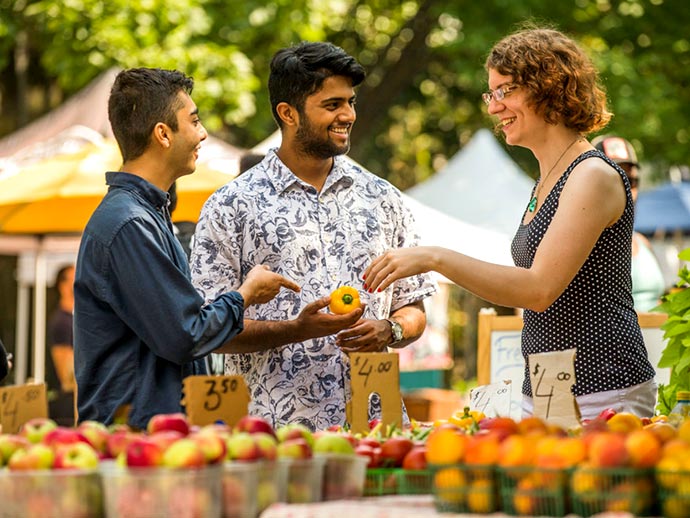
<point>396,264</point>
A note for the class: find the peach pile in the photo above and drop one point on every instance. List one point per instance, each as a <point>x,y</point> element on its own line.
<point>530,467</point>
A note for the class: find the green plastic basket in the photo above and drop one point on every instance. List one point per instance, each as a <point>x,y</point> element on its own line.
<point>598,490</point>
<point>381,482</point>
<point>462,488</point>
<point>414,482</point>
<point>674,493</point>
<point>533,491</point>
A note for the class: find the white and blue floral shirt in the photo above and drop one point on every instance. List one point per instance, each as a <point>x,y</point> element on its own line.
<point>320,240</point>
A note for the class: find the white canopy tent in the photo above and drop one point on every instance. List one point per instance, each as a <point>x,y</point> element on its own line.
<point>480,185</point>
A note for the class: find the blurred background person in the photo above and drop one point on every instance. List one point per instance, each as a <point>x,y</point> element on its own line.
<point>5,362</point>
<point>647,278</point>
<point>60,342</point>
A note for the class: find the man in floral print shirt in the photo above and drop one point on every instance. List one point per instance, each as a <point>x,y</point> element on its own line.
<point>317,218</point>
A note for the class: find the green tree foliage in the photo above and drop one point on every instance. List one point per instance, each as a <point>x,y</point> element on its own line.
<point>421,100</point>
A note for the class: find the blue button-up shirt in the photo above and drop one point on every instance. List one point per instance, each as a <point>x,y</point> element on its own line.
<point>140,327</point>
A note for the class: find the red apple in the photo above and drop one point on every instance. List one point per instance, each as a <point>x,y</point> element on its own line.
<point>63,435</point>
<point>143,452</point>
<point>297,448</point>
<point>35,429</point>
<point>394,449</point>
<point>212,445</point>
<point>117,442</point>
<point>374,454</point>
<point>242,446</point>
<point>177,421</point>
<point>332,442</point>
<point>165,438</point>
<point>185,453</point>
<point>293,431</point>
<point>253,424</point>
<point>415,458</point>
<point>78,455</point>
<point>9,444</point>
<point>369,441</point>
<point>96,433</point>
<point>36,456</point>
<point>267,445</point>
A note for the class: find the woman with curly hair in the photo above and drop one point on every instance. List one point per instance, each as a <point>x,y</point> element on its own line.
<point>572,248</point>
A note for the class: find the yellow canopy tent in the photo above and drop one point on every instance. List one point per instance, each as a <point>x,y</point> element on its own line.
<point>58,194</point>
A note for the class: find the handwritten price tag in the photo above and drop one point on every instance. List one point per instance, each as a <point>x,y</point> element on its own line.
<point>552,375</point>
<point>20,403</point>
<point>208,399</point>
<point>374,373</point>
<point>493,399</point>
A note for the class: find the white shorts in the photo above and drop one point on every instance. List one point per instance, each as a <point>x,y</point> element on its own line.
<point>638,399</point>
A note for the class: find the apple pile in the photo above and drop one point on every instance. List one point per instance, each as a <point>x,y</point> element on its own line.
<point>47,469</point>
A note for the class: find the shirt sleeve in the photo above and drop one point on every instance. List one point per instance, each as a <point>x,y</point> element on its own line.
<point>158,301</point>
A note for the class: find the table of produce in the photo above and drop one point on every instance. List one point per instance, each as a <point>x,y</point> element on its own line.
<point>467,464</point>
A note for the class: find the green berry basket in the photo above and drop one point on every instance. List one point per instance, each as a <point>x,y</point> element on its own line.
<point>381,482</point>
<point>534,491</point>
<point>673,492</point>
<point>463,488</point>
<point>620,490</point>
<point>414,482</point>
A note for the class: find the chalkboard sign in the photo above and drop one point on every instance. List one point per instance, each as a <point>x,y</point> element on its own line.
<point>499,354</point>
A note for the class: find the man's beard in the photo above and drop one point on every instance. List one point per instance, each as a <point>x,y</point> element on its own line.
<point>314,146</point>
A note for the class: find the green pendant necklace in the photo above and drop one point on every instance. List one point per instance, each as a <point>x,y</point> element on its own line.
<point>533,202</point>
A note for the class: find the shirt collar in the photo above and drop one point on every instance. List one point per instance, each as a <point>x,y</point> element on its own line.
<point>147,190</point>
<point>282,177</point>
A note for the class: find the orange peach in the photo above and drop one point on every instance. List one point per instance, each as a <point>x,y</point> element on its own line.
<point>516,450</point>
<point>482,449</point>
<point>450,485</point>
<point>445,446</point>
<point>584,481</point>
<point>675,448</point>
<point>607,450</point>
<point>480,496</point>
<point>624,422</point>
<point>644,449</point>
<point>668,472</point>
<point>532,425</point>
<point>524,501</point>
<point>663,431</point>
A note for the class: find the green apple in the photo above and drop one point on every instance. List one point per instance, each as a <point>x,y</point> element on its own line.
<point>185,453</point>
<point>331,442</point>
<point>36,456</point>
<point>9,444</point>
<point>35,429</point>
<point>78,455</point>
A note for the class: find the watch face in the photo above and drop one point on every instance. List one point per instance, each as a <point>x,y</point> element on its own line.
<point>396,328</point>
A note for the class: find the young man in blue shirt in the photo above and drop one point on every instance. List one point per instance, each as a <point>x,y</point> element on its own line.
<point>140,325</point>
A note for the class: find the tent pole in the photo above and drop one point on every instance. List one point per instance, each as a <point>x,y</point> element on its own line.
<point>40,316</point>
<point>22,334</point>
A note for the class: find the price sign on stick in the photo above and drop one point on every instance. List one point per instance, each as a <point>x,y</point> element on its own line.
<point>20,403</point>
<point>493,399</point>
<point>374,373</point>
<point>211,398</point>
<point>552,375</point>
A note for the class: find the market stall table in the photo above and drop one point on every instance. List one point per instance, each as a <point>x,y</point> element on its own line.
<point>395,506</point>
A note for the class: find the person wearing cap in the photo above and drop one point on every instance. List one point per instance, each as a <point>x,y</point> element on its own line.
<point>647,279</point>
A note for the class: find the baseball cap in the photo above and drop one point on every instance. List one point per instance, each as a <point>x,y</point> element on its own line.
<point>617,149</point>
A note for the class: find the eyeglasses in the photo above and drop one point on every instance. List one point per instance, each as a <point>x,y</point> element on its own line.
<point>499,94</point>
<point>634,181</point>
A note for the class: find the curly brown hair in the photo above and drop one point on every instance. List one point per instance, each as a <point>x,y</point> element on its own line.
<point>562,81</point>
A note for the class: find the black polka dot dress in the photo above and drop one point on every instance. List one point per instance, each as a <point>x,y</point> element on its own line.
<point>595,313</point>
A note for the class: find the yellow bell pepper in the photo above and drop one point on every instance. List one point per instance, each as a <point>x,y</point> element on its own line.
<point>344,300</point>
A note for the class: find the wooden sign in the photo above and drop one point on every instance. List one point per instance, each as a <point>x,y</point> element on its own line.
<point>552,375</point>
<point>374,373</point>
<point>208,399</point>
<point>492,400</point>
<point>20,403</point>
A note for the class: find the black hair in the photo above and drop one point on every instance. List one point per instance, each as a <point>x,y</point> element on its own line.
<point>139,99</point>
<point>299,71</point>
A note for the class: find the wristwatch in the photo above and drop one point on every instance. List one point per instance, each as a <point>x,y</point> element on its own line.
<point>396,331</point>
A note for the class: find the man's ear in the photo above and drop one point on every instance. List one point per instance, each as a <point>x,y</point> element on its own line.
<point>288,114</point>
<point>161,134</point>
